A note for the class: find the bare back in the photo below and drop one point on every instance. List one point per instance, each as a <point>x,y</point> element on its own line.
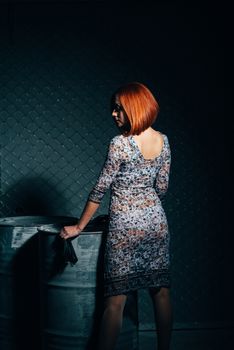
<point>150,143</point>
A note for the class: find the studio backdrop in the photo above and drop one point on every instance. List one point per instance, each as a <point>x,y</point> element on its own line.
<point>59,65</point>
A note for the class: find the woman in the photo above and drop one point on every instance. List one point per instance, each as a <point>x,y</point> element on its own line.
<point>137,249</point>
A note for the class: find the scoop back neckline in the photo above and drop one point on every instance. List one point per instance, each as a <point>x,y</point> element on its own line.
<point>149,159</point>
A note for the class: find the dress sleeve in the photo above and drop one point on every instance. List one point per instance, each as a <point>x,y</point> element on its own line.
<point>162,180</point>
<point>108,172</point>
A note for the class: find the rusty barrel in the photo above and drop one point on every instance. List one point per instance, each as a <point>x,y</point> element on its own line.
<point>19,279</point>
<point>72,295</point>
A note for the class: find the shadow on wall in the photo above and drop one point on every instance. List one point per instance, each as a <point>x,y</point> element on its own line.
<point>33,196</point>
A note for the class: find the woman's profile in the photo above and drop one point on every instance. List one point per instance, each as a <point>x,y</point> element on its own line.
<point>137,170</point>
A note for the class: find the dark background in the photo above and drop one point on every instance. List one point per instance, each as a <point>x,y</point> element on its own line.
<point>60,63</point>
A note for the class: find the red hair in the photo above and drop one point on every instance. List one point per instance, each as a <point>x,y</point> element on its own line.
<point>140,106</point>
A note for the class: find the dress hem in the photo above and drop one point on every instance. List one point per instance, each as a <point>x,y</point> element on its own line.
<point>132,283</point>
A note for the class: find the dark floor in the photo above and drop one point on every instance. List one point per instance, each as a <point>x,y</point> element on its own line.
<point>214,339</point>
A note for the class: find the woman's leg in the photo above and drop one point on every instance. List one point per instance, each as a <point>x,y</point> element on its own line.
<point>163,316</point>
<point>111,321</point>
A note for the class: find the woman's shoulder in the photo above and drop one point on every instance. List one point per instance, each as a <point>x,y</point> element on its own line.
<point>120,145</point>
<point>160,133</point>
<point>165,141</point>
<point>163,135</point>
<point>118,140</point>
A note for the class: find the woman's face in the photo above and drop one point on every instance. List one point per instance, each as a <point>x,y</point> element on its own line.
<point>119,114</point>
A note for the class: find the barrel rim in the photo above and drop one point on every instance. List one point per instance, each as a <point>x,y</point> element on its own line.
<point>53,219</point>
<point>49,232</point>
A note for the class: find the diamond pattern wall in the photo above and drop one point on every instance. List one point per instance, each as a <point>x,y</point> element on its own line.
<point>59,65</point>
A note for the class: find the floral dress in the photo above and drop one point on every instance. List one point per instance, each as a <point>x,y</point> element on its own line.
<point>137,246</point>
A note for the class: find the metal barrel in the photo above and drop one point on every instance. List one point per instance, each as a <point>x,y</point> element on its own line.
<point>19,279</point>
<point>72,295</point>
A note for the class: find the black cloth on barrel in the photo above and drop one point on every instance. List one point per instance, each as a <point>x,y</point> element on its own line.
<point>64,253</point>
<point>69,252</point>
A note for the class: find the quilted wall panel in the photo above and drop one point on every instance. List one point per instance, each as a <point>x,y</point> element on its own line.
<point>59,65</point>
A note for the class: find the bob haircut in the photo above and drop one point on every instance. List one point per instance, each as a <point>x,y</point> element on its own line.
<point>139,105</point>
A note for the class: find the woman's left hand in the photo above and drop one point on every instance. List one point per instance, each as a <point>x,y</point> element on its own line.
<point>70,231</point>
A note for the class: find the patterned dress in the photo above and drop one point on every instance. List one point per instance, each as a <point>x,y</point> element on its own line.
<point>137,247</point>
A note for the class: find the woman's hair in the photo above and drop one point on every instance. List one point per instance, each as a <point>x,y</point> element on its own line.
<point>140,106</point>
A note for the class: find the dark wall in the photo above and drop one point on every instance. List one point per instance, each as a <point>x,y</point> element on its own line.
<point>60,63</point>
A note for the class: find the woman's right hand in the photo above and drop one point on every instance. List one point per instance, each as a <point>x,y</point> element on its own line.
<point>70,231</point>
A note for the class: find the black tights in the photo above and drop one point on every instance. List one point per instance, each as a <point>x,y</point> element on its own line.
<point>111,322</point>
<point>113,315</point>
<point>163,316</point>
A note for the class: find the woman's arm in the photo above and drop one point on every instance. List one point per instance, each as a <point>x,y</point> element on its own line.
<point>106,177</point>
<point>74,230</point>
<point>162,180</point>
